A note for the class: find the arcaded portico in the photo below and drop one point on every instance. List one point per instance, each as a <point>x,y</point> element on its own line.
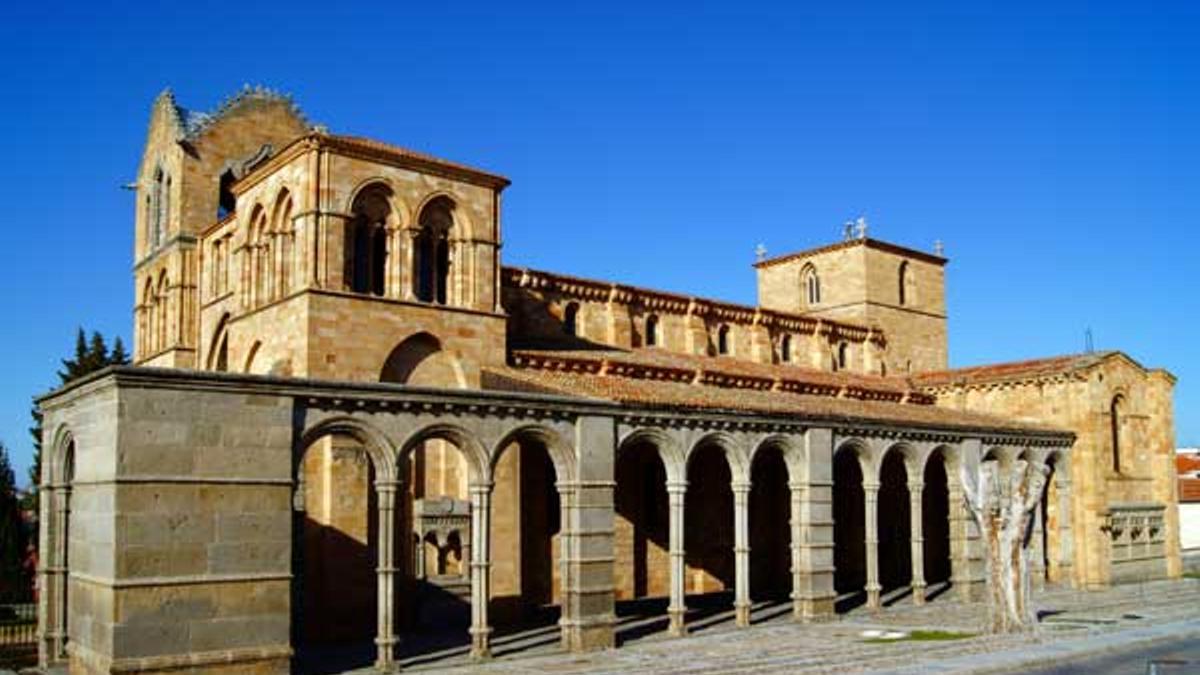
<point>188,507</point>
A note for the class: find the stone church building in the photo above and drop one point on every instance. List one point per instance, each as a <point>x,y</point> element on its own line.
<point>350,424</point>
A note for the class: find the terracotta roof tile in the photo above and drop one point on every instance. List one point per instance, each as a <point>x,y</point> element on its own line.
<point>397,151</point>
<point>1189,490</point>
<point>672,395</point>
<point>1015,370</point>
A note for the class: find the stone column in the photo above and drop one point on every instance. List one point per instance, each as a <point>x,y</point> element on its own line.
<point>419,557</point>
<point>62,504</point>
<point>796,491</point>
<point>917,540</point>
<point>871,516</point>
<point>567,615</point>
<point>385,640</point>
<point>408,265</point>
<point>591,603</point>
<point>817,596</point>
<point>741,552</point>
<point>1037,557</point>
<point>481,518</point>
<point>676,493</point>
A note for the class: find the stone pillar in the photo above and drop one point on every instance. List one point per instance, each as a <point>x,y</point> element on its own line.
<point>419,557</point>
<point>741,552</point>
<point>871,513</point>
<point>676,492</point>
<point>816,594</point>
<point>408,265</point>
<point>917,540</point>
<point>591,602</point>
<point>1037,555</point>
<point>481,518</point>
<point>567,614</point>
<point>61,574</point>
<point>1066,538</point>
<point>796,492</point>
<point>385,640</point>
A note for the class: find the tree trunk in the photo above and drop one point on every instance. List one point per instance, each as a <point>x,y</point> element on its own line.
<point>1003,508</point>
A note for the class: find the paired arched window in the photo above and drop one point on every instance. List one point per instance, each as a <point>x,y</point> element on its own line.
<point>652,330</point>
<point>811,285</point>
<point>1115,411</point>
<point>366,240</point>
<point>723,339</point>
<point>902,283</point>
<point>785,349</point>
<point>570,324</point>
<point>432,253</point>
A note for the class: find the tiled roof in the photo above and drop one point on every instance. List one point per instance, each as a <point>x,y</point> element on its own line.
<point>1189,490</point>
<point>675,395</point>
<point>1185,463</point>
<point>1015,370</point>
<point>372,145</point>
<point>850,243</point>
<point>721,371</point>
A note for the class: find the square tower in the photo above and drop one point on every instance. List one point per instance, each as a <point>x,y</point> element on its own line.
<point>897,290</point>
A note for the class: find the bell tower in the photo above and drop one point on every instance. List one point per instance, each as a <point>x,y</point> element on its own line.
<point>898,290</point>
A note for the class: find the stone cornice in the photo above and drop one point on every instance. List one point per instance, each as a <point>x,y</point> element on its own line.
<point>851,243</point>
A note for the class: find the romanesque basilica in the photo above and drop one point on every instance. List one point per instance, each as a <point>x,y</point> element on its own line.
<point>349,425</point>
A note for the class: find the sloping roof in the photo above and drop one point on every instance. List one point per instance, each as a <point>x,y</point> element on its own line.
<point>851,243</point>
<point>379,147</point>
<point>1185,463</point>
<point>1014,370</point>
<point>725,371</point>
<point>671,395</point>
<point>1189,490</point>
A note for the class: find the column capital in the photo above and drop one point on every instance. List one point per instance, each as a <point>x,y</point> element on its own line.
<point>677,486</point>
<point>740,486</point>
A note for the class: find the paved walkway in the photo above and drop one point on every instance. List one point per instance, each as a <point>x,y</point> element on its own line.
<point>1074,623</point>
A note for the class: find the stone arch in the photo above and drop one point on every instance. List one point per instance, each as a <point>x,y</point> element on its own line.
<point>912,457</point>
<point>218,348</point>
<point>420,360</point>
<point>283,230</point>
<point>938,468</point>
<point>810,285</point>
<point>462,228</point>
<point>439,223</point>
<point>776,467</point>
<point>252,357</point>
<point>894,515</point>
<point>736,455</point>
<point>561,452</point>
<point>1116,411</point>
<point>374,441</point>
<point>852,465</point>
<point>366,249</point>
<point>400,211</point>
<point>793,455</point>
<point>60,471</point>
<point>472,450</point>
<point>161,320</point>
<point>669,450</point>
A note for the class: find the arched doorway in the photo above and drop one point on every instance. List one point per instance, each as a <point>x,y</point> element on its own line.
<point>849,530</point>
<point>895,525</point>
<point>770,527</point>
<point>935,524</point>
<point>336,554</point>
<point>527,528</point>
<point>708,534</point>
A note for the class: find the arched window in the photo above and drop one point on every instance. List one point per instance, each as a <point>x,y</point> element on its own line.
<point>284,235</point>
<point>652,330</point>
<point>902,283</point>
<point>811,283</point>
<point>259,253</point>
<point>160,308</point>
<point>723,339</point>
<point>1115,424</point>
<point>226,202</point>
<point>366,240</point>
<point>785,349</point>
<point>154,224</point>
<point>570,322</point>
<point>433,250</point>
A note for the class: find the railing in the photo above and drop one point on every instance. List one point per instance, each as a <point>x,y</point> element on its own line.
<point>18,635</point>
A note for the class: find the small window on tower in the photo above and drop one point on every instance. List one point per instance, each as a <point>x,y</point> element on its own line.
<point>811,286</point>
<point>723,340</point>
<point>652,331</point>
<point>226,202</point>
<point>785,349</point>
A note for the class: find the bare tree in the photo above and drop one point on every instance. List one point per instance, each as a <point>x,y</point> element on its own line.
<point>1002,506</point>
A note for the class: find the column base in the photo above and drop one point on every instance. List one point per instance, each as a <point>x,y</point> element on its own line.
<point>589,635</point>
<point>919,594</point>
<point>481,648</point>
<point>677,627</point>
<point>742,612</point>
<point>814,610</point>
<point>873,599</point>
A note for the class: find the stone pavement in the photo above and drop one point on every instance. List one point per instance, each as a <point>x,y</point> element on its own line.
<point>1074,623</point>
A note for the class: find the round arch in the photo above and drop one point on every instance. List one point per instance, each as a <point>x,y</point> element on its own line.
<point>218,348</point>
<point>462,226</point>
<point>669,451</point>
<point>734,453</point>
<point>420,359</point>
<point>560,451</point>
<point>793,456</point>
<point>400,214</point>
<point>374,442</point>
<point>911,456</point>
<point>476,456</point>
<point>861,450</point>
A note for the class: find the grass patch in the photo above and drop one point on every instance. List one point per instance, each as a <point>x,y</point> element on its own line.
<point>1191,575</point>
<point>924,636</point>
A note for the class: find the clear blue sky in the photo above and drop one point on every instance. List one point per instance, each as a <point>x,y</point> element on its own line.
<point>1053,150</point>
